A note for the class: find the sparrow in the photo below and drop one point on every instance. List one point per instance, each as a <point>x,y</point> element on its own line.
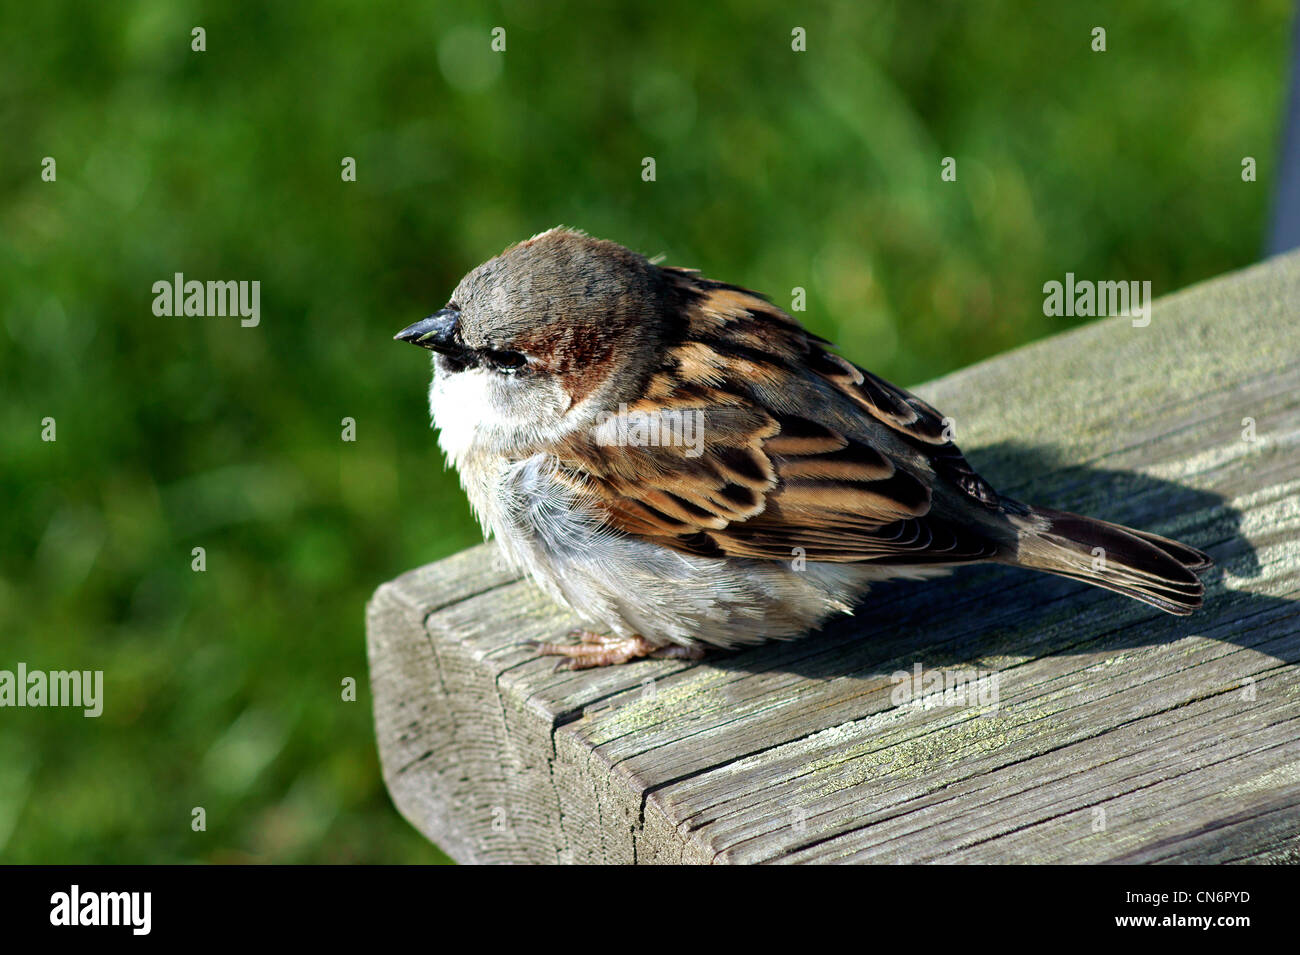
<point>683,465</point>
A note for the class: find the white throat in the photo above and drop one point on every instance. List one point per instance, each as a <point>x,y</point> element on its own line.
<point>479,410</point>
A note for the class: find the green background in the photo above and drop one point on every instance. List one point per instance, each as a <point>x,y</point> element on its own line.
<point>775,169</point>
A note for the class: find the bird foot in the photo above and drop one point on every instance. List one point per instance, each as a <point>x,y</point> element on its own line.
<point>603,649</point>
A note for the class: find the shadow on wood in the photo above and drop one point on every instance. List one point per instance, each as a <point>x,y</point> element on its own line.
<point>948,621</point>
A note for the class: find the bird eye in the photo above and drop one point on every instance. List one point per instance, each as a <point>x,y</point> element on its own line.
<point>505,361</point>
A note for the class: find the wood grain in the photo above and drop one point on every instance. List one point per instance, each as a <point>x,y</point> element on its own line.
<point>1118,734</point>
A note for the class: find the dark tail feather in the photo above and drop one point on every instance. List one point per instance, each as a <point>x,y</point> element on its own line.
<point>1146,567</point>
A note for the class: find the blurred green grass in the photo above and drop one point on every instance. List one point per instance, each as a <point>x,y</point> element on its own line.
<point>774,170</point>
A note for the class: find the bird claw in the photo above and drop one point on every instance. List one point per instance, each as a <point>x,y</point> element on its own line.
<point>603,649</point>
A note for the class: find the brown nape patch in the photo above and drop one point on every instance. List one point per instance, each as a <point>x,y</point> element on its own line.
<point>580,354</point>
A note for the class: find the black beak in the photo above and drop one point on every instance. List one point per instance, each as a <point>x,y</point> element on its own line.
<point>436,333</point>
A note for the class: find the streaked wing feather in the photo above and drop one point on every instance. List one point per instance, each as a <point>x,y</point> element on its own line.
<point>802,452</point>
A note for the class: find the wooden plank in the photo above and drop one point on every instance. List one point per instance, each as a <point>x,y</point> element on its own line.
<point>1117,733</point>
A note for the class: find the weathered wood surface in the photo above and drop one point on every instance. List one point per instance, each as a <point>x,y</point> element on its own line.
<point>1119,733</point>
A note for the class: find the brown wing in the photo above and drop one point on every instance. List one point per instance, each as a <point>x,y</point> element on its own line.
<point>753,440</point>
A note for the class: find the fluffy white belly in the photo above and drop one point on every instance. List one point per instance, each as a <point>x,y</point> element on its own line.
<point>626,585</point>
